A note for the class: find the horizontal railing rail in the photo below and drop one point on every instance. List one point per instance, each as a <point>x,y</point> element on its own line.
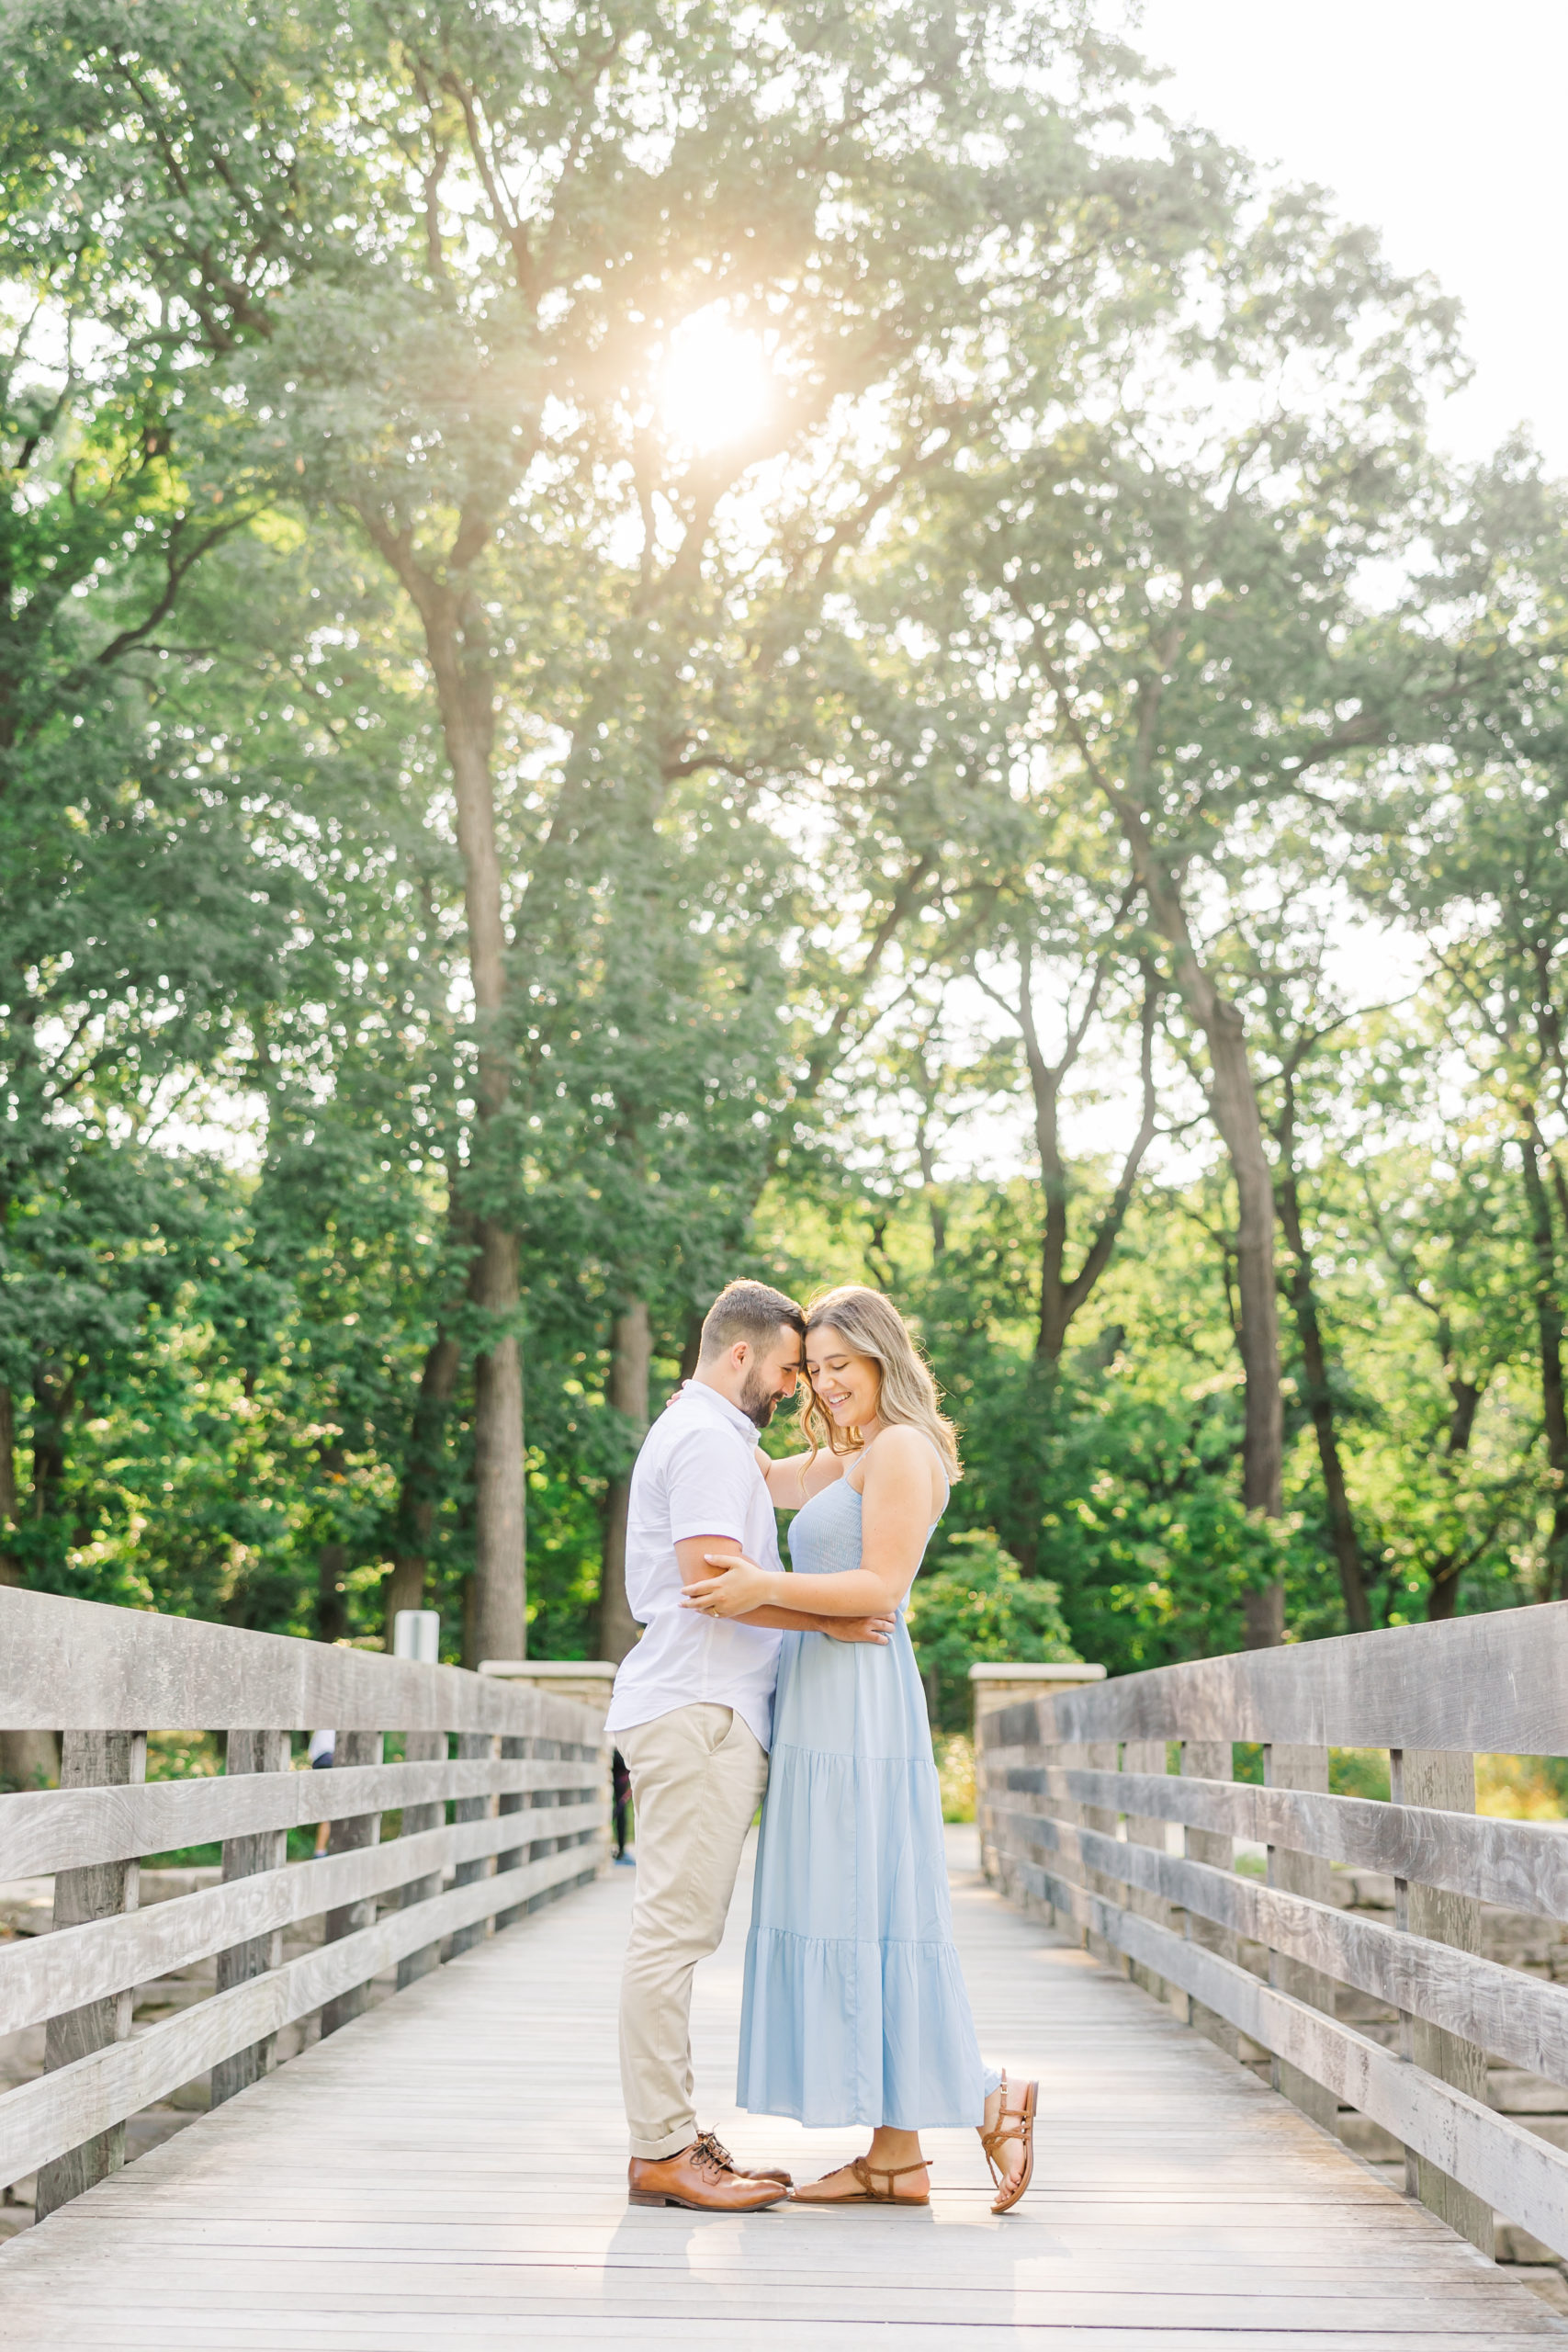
<point>129,1669</point>
<point>526,1789</point>
<point>1083,1794</point>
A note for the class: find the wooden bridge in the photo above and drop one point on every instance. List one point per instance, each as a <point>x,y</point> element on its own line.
<point>444,2163</point>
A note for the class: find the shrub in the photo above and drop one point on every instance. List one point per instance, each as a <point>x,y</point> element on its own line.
<point>975,1607</point>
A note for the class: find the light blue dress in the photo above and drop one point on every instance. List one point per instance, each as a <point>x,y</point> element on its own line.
<point>855,2009</point>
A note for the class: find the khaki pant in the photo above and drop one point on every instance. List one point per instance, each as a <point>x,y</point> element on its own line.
<point>698,1775</point>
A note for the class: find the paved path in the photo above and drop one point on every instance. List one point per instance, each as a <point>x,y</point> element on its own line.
<point>446,2174</point>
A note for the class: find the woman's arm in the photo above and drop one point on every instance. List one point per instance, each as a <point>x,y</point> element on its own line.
<point>897,1517</point>
<point>693,1556</point>
<point>798,1477</point>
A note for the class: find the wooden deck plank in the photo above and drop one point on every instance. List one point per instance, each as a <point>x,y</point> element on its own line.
<point>450,2170</point>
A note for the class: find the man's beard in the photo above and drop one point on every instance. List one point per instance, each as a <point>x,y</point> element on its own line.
<point>757,1399</point>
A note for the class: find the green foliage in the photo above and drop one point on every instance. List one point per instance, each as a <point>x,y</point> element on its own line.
<point>972,1607</point>
<point>842,773</point>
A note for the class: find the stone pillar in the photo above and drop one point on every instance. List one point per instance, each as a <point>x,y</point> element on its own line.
<point>992,1687</point>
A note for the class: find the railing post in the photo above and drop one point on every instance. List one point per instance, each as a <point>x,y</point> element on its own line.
<point>421,1747</point>
<point>1444,1780</point>
<point>91,1759</point>
<point>267,1849</point>
<point>1146,1755</point>
<point>1103,1755</point>
<point>471,1745</point>
<point>514,1801</point>
<point>1211,1759</point>
<point>1296,1873</point>
<point>360,1829</point>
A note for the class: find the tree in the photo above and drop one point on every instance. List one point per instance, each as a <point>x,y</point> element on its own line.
<point>1176,589</point>
<point>1483,864</point>
<point>557,205</point>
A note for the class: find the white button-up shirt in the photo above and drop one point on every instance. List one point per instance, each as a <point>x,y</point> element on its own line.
<point>696,1475</point>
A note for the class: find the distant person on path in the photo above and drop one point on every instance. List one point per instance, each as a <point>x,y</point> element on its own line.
<point>321,1749</point>
<point>692,1714</point>
<point>855,2009</point>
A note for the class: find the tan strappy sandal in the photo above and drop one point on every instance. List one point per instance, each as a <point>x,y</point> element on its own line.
<point>1011,2124</point>
<point>865,2194</point>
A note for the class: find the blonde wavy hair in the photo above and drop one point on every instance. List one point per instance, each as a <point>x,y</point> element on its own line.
<point>908,1395</point>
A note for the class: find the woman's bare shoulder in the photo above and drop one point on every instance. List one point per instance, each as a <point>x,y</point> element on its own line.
<point>900,1457</point>
<point>898,1452</point>
<point>899,1442</point>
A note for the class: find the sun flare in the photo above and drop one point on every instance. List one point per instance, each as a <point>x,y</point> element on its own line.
<point>715,384</point>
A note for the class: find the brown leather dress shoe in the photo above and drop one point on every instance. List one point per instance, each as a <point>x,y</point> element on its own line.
<point>755,2172</point>
<point>700,2180</point>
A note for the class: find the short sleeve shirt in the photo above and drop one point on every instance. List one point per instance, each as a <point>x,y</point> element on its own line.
<point>696,1475</point>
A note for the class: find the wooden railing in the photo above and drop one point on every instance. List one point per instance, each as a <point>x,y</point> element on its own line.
<point>527,1787</point>
<point>1077,1794</point>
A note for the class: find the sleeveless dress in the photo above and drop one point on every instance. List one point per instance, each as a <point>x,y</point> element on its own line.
<point>855,2009</point>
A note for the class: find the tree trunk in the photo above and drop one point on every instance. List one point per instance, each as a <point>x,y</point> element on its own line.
<point>1320,1400</point>
<point>691,1347</point>
<point>1237,1118</point>
<point>499,1620</point>
<point>1549,1343</point>
<point>9,1572</point>
<point>420,1489</point>
<point>631,1358</point>
<point>500,1605</point>
<point>936,1210</point>
<point>29,1759</point>
<point>1233,1099</point>
<point>53,1394</point>
<point>1062,1297</point>
<point>1442,1590</point>
<point>332,1607</point>
<point>457,644</point>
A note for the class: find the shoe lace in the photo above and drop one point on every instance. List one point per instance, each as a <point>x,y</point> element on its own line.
<point>707,2150</point>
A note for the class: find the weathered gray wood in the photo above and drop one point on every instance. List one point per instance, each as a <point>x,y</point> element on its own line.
<point>1424,1777</point>
<point>1101,1756</point>
<point>422,1746</point>
<point>41,1974</point>
<point>1477,1684</point>
<point>1209,1760</point>
<point>452,2173</point>
<point>130,1669</point>
<point>350,1919</point>
<point>1072,1864</point>
<point>1523,1865</point>
<point>40,2119</point>
<point>1143,1759</point>
<point>565,1836</point>
<point>475,1746</point>
<point>46,1830</point>
<point>1295,1871</point>
<point>1516,2016</point>
<point>245,1857</point>
<point>1521,2176</point>
<point>90,1758</point>
<point>514,1857</point>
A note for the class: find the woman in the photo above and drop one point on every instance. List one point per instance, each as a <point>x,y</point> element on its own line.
<point>855,2009</point>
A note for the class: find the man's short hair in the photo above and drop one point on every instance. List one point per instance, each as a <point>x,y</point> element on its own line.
<point>749,1311</point>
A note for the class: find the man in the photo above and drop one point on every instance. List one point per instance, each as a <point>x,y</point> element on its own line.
<point>692,1716</point>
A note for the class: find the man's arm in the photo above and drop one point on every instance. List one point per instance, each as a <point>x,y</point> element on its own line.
<point>837,1629</point>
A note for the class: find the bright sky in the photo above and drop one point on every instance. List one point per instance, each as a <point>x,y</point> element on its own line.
<point>1437,121</point>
